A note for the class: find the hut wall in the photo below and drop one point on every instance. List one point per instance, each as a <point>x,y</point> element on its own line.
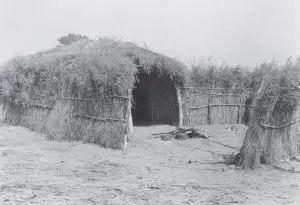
<point>100,120</point>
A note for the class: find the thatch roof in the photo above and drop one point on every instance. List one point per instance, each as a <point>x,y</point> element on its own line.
<point>104,48</point>
<point>105,63</point>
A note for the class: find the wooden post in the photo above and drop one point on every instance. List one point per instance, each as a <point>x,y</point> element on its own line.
<point>239,108</point>
<point>129,114</point>
<point>128,117</point>
<point>130,123</point>
<point>208,108</point>
<point>179,101</point>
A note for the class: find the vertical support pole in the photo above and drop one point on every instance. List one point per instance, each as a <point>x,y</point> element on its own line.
<point>179,101</point>
<point>239,108</point>
<point>208,108</point>
<point>130,122</point>
<point>129,114</point>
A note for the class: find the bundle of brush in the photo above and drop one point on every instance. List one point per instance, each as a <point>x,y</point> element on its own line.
<point>182,134</point>
<point>272,136</point>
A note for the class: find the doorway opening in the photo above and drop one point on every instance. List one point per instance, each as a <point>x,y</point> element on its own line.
<point>154,100</point>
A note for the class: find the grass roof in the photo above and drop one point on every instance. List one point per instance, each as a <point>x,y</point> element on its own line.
<point>108,51</point>
<point>103,65</point>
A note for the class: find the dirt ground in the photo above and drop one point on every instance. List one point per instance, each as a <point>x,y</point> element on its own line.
<point>151,171</point>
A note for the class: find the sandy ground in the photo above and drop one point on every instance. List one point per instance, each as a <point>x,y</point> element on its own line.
<point>36,171</point>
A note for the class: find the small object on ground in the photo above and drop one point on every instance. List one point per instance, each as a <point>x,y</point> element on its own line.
<point>182,134</point>
<point>153,187</point>
<point>233,202</point>
<point>292,169</point>
<point>31,197</point>
<point>190,161</point>
<point>92,200</point>
<point>118,189</point>
<point>5,200</point>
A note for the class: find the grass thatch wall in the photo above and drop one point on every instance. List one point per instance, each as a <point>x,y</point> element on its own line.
<point>80,91</point>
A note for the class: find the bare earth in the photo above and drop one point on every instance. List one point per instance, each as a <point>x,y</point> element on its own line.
<point>36,171</point>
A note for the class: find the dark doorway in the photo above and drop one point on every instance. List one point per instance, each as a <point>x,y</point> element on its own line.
<point>155,100</point>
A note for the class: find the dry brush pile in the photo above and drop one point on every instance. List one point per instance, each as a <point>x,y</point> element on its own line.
<point>181,134</point>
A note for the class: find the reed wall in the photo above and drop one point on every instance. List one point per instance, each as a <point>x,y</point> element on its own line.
<point>212,106</point>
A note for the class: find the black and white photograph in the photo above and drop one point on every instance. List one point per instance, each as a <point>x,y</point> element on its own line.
<point>150,102</point>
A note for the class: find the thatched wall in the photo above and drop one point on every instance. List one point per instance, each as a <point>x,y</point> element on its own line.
<point>93,120</point>
<point>206,106</point>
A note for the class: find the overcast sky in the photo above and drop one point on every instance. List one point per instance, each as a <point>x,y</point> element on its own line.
<point>237,31</point>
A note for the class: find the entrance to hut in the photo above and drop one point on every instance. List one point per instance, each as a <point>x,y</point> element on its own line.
<point>155,100</point>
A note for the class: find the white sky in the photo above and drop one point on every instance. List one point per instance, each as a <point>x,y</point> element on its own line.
<point>237,31</point>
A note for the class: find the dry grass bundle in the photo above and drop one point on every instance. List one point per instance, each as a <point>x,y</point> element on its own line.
<point>272,136</point>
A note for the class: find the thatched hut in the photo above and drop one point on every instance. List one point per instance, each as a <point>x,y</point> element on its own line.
<point>92,91</point>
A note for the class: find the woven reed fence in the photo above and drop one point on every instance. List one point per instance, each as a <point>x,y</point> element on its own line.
<point>212,106</point>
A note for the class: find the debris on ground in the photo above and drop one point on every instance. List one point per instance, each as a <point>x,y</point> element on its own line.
<point>181,134</point>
